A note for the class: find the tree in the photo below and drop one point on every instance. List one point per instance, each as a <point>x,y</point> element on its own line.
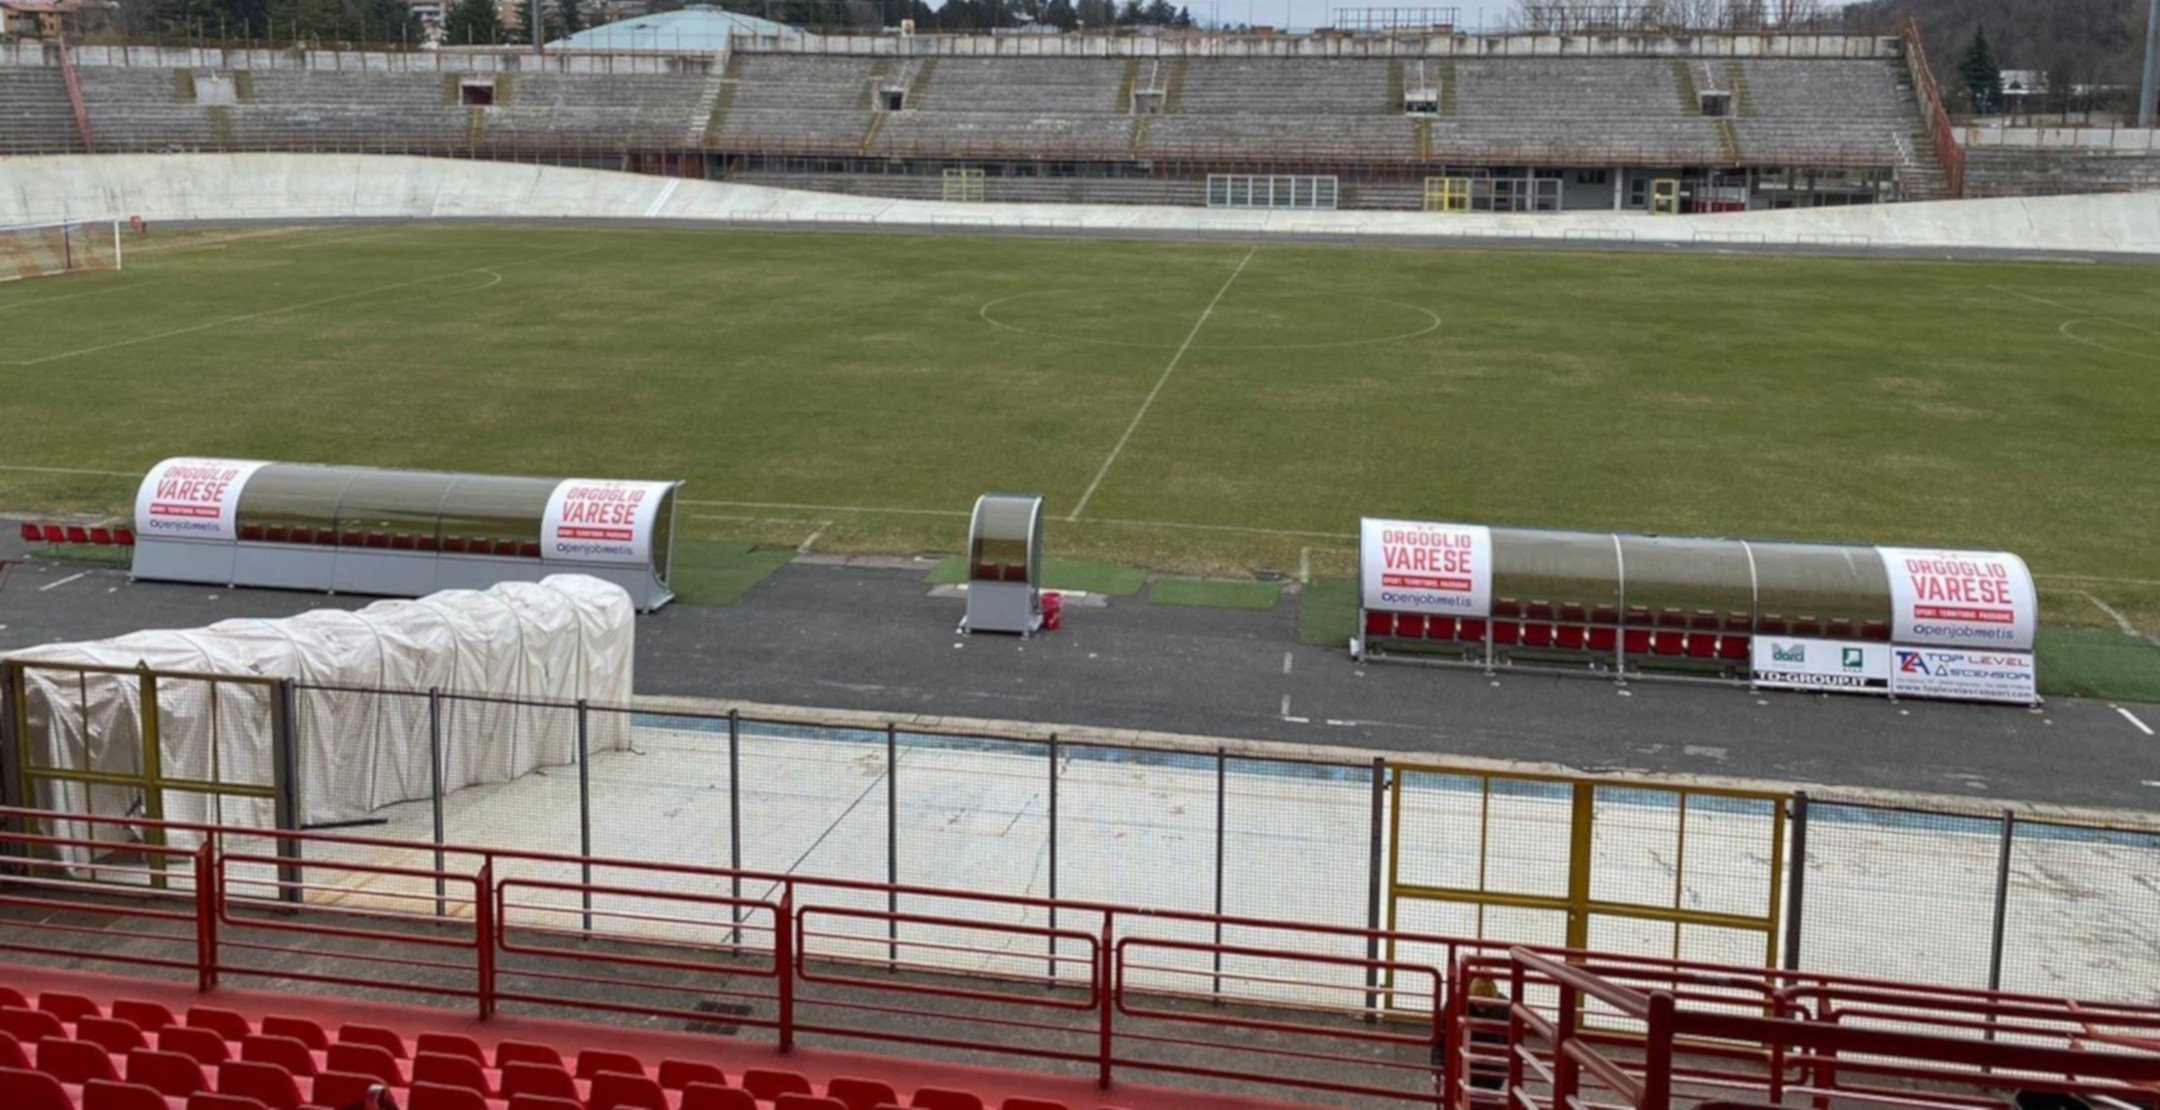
<point>1982,74</point>
<point>473,22</point>
<point>570,18</point>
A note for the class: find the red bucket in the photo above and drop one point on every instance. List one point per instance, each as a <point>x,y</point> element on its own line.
<point>1053,607</point>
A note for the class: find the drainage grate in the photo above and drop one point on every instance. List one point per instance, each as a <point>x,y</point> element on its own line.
<point>719,1009</point>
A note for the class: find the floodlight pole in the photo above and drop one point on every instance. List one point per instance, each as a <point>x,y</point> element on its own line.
<point>538,29</point>
<point>2151,86</point>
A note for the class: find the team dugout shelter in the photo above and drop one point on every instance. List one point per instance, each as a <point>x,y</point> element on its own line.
<point>397,533</point>
<point>1897,621</point>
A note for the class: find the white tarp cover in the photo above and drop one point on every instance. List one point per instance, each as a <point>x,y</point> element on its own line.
<point>566,637</point>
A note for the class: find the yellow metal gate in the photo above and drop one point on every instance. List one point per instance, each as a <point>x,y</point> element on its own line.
<point>963,185</point>
<point>1447,194</point>
<point>1682,872</point>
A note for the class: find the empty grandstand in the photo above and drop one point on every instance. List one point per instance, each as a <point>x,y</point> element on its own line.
<point>1450,122</point>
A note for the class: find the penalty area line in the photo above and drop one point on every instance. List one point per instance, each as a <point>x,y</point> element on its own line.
<point>1148,403</point>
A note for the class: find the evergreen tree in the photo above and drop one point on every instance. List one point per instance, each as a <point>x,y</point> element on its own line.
<point>518,28</point>
<point>569,17</point>
<point>473,22</point>
<point>1982,74</point>
<point>1061,15</point>
<point>186,17</point>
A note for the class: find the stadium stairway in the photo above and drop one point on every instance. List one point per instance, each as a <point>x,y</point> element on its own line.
<point>84,1041</point>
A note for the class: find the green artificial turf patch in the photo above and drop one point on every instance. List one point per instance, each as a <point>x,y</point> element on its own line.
<point>2097,663</point>
<point>1327,612</point>
<point>1213,593</point>
<point>1094,576</point>
<point>710,573</point>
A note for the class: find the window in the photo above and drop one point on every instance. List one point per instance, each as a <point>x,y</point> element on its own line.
<point>1421,103</point>
<point>1638,192</point>
<point>1717,104</point>
<point>1147,102</point>
<point>892,100</point>
<point>475,94</point>
<point>1593,177</point>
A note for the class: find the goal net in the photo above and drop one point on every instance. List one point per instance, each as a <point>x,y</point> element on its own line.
<point>40,250</point>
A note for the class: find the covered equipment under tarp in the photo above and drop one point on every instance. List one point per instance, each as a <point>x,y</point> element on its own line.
<point>356,748</point>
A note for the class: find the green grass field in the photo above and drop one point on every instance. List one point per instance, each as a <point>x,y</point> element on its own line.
<point>1200,409</point>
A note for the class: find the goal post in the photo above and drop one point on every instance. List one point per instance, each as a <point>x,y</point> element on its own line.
<point>44,250</point>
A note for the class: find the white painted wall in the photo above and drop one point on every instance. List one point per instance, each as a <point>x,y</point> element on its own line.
<point>164,188</point>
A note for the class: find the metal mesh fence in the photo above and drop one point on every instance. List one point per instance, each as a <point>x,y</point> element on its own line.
<point>1321,815</point>
<point>2082,917</point>
<point>1137,827</point>
<point>817,802</point>
<point>1899,894</point>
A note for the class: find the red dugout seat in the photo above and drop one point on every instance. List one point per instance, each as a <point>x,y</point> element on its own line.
<point>1440,628</point>
<point>1410,626</point>
<point>76,533</point>
<point>1734,649</point>
<point>1471,631</point>
<point>1506,633</point>
<point>53,533</point>
<point>30,534</point>
<point>1378,624</point>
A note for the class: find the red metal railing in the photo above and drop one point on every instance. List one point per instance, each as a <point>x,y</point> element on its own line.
<point>1298,1006</point>
<point>1940,129</point>
<point>75,97</point>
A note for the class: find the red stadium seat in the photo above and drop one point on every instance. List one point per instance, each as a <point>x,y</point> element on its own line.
<point>69,1008</point>
<point>209,1101</point>
<point>1771,625</point>
<point>326,537</point>
<point>519,1078</point>
<point>521,1052</point>
<point>365,1059</point>
<point>1875,630</point>
<point>507,548</point>
<point>1537,635</point>
<point>11,1052</point>
<point>1472,631</point>
<point>1737,621</point>
<point>437,1096</point>
<point>167,1072</point>
<point>1668,643</point>
<point>1378,624</point>
<point>450,1044</point>
<point>30,532</point>
<point>939,1098</point>
<point>268,1084</point>
<point>55,534</point>
<point>1440,628</point>
<point>1506,633</point>
<point>111,1034</point>
<point>426,543</point>
<point>699,1096</point>
<point>1539,611</point>
<point>30,1026</point>
<point>1702,645</point>
<point>285,1052</point>
<point>224,1023</point>
<point>451,1071</point>
<point>1734,649</point>
<point>807,1102</point>
<point>205,1046</point>
<point>1806,626</point>
<point>300,1029</point>
<point>146,1016</point>
<point>1014,572</point>
<point>860,1094</point>
<point>378,539</point>
<point>101,535</point>
<point>99,1094</point>
<point>593,1061</point>
<point>1570,613</point>
<point>1570,637</point>
<point>125,537</point>
<point>768,1083</point>
<point>1507,607</point>
<point>614,1090</point>
<point>1637,641</point>
<point>340,1088</point>
<point>76,533</point>
<point>401,542</point>
<point>454,544</point>
<point>1603,639</point>
<point>32,1090</point>
<point>74,1061</point>
<point>1024,1103</point>
<point>677,1074</point>
<point>1410,626</point>
<point>532,551</point>
<point>385,1039</point>
<point>252,533</point>
<point>278,533</point>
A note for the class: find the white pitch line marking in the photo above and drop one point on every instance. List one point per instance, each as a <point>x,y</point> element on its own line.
<point>1159,383</point>
<point>803,548</point>
<point>1286,657</point>
<point>71,470</point>
<point>2121,621</point>
<point>1308,720</point>
<point>823,508</point>
<point>81,574</point>
<point>222,321</point>
<point>1304,565</point>
<point>1285,706</point>
<point>2126,714</point>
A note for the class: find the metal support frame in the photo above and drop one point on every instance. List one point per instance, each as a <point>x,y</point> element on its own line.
<point>892,846</point>
<point>1796,881</point>
<point>285,785</point>
<point>435,787</point>
<point>584,793</point>
<point>734,778</point>
<point>2002,898</point>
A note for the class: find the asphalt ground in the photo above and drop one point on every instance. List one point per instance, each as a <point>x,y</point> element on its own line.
<point>869,635</point>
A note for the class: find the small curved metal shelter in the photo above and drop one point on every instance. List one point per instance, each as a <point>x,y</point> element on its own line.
<point>397,533</point>
<point>1885,620</point>
<point>1004,564</point>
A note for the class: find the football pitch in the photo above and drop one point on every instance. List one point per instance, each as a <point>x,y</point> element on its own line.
<point>1216,408</point>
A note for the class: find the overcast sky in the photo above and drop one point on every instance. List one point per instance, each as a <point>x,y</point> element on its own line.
<point>1303,14</point>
